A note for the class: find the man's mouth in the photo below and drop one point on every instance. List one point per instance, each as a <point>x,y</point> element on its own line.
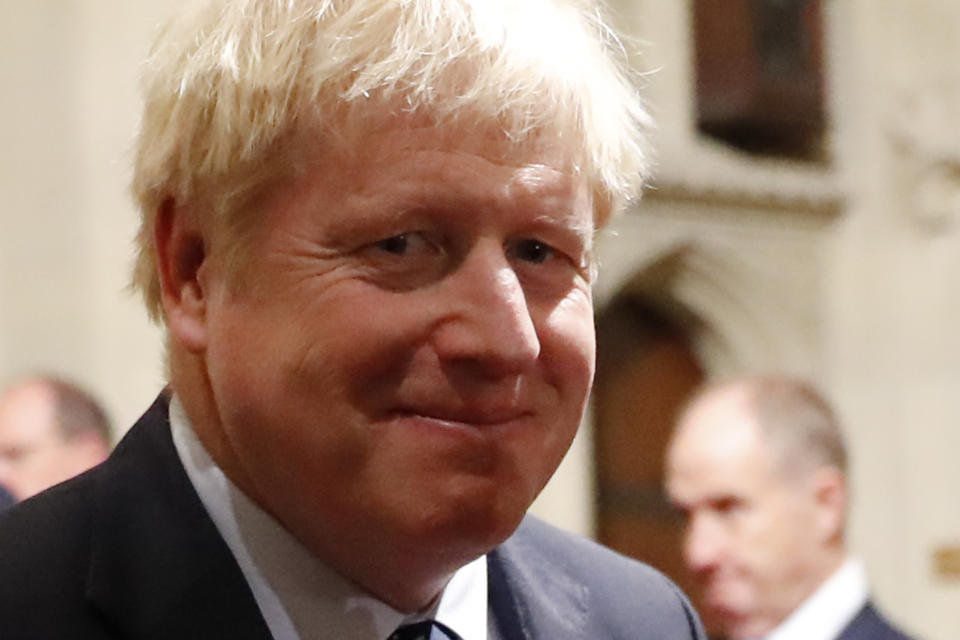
<point>472,416</point>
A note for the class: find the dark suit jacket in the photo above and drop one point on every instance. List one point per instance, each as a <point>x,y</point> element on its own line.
<point>127,550</point>
<point>870,625</point>
<point>6,499</point>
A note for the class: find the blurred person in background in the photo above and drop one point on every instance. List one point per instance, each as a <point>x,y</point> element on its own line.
<point>368,228</point>
<point>50,430</point>
<point>758,466</point>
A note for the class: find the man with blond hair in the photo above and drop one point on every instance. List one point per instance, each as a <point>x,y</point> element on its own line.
<point>367,227</point>
<point>758,467</point>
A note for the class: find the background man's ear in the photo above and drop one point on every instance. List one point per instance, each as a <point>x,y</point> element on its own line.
<point>88,449</point>
<point>180,253</point>
<point>830,487</point>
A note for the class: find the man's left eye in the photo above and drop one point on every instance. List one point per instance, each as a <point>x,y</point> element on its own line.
<point>534,251</point>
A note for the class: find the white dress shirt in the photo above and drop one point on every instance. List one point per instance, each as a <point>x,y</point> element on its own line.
<point>299,596</point>
<point>830,609</point>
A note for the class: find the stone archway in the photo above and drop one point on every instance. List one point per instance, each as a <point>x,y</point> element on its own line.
<point>646,369</point>
<point>682,318</point>
<point>729,307</point>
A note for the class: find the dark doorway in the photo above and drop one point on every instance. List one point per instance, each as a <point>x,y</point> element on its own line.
<point>646,369</point>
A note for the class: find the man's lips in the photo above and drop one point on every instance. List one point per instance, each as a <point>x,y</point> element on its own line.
<point>472,416</point>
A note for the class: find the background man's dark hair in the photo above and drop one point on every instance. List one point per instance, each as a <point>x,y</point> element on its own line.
<point>76,410</point>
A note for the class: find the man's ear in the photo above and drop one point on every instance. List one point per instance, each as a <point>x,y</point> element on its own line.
<point>830,494</point>
<point>180,253</point>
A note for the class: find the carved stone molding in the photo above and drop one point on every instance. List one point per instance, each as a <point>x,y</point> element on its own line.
<point>731,302</point>
<point>711,173</point>
<point>925,136</point>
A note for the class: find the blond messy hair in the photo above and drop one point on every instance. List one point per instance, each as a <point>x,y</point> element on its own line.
<point>229,83</point>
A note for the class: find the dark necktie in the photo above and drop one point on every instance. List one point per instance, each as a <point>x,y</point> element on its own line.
<point>426,630</point>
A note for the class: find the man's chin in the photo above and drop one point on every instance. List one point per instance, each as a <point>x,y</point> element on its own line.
<point>481,522</point>
<point>742,627</point>
<point>489,527</point>
<point>735,624</point>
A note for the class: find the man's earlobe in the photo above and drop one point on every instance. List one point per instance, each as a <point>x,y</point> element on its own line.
<point>180,254</point>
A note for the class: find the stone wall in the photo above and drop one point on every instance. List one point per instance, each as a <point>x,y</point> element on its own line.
<point>847,272</point>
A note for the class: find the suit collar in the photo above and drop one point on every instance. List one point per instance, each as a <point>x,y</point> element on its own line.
<point>830,608</point>
<point>532,598</point>
<point>159,568</point>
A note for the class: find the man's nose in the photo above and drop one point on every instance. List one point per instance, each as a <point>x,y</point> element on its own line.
<point>488,321</point>
<point>701,544</point>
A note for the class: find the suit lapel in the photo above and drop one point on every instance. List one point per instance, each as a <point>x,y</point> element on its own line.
<point>159,568</point>
<point>868,624</point>
<point>530,598</point>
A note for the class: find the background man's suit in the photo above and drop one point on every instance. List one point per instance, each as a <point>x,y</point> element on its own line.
<point>870,625</point>
<point>128,551</point>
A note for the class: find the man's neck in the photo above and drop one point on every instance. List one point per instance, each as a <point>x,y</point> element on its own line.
<point>299,594</point>
<point>416,572</point>
<point>829,608</point>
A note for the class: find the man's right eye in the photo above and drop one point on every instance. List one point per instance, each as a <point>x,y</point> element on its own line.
<point>404,261</point>
<point>395,244</point>
<point>728,505</point>
<point>405,243</point>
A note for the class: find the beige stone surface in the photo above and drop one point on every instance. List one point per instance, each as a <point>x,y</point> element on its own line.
<point>848,273</point>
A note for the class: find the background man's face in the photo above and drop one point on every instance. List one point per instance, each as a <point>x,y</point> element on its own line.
<point>413,358</point>
<point>749,539</point>
<point>34,455</point>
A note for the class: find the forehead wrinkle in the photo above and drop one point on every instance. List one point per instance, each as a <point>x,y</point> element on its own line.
<point>557,198</point>
<point>528,185</point>
<point>543,181</point>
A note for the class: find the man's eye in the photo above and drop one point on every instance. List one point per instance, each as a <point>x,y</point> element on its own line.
<point>395,244</point>
<point>13,454</point>
<point>404,243</point>
<point>728,505</point>
<point>533,251</point>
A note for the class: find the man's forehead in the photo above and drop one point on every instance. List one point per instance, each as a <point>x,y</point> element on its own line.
<point>541,176</point>
<point>468,128</point>
<point>720,424</point>
<point>718,443</point>
<point>27,410</point>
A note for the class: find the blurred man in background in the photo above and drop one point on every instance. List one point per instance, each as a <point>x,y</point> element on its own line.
<point>50,430</point>
<point>758,466</point>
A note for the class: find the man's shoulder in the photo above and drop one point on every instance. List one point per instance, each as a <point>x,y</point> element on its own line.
<point>44,522</point>
<point>870,624</point>
<point>562,549</point>
<point>44,562</point>
<point>612,592</point>
<point>55,520</point>
<point>48,543</point>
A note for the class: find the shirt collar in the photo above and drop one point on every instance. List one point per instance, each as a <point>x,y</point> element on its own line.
<point>300,597</point>
<point>832,606</point>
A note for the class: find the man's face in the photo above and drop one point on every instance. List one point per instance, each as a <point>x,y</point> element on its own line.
<point>750,539</point>
<point>33,453</point>
<point>412,358</point>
